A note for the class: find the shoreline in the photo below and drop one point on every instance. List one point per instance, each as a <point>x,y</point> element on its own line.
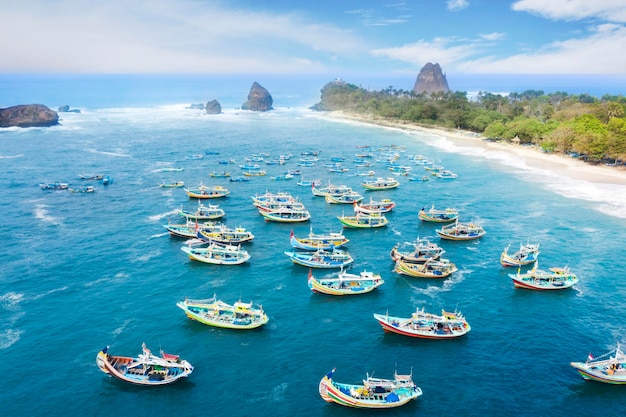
<point>556,163</point>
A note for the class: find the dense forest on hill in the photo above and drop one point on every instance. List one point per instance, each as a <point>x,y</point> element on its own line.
<point>581,125</point>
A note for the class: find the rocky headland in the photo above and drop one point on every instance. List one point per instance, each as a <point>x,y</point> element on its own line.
<point>259,99</point>
<point>28,115</point>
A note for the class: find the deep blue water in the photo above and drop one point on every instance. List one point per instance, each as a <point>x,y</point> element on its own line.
<point>82,271</point>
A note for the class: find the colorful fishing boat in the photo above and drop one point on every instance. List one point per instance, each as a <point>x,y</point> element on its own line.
<point>54,186</point>
<point>321,258</point>
<point>202,212</point>
<point>437,215</point>
<point>203,191</point>
<point>96,177</point>
<point>214,312</point>
<point>537,279</point>
<point>461,231</point>
<point>383,206</point>
<point>609,368</point>
<point>345,284</point>
<point>309,183</point>
<point>221,174</point>
<point>439,268</point>
<point>145,369</point>
<point>526,254</point>
<point>363,221</point>
<point>314,241</point>
<point>346,198</point>
<point>217,254</point>
<point>426,325</point>
<point>282,177</point>
<point>220,233</point>
<point>372,393</point>
<point>445,174</point>
<point>380,184</point>
<point>286,215</point>
<point>421,251</point>
<point>188,229</point>
<point>86,189</point>
<point>175,184</point>
<point>332,189</point>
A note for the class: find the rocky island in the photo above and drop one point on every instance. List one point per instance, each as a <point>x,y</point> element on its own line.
<point>28,115</point>
<point>259,99</point>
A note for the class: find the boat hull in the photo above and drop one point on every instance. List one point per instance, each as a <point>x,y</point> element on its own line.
<point>598,376</point>
<point>387,323</point>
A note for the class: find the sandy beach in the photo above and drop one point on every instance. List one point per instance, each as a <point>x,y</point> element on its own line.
<point>533,157</point>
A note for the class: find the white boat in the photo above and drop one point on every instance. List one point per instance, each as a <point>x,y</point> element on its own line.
<point>526,254</point>
<point>609,368</point>
<point>217,254</point>
<point>345,283</point>
<point>426,325</point>
<point>537,279</point>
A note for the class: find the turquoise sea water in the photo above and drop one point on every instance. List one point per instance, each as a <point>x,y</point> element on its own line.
<point>82,271</point>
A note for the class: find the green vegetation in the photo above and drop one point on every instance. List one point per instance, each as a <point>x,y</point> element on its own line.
<point>580,124</point>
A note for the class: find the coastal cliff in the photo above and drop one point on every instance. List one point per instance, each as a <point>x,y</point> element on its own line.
<point>28,115</point>
<point>259,99</point>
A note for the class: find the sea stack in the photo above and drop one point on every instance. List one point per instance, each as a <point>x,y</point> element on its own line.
<point>213,107</point>
<point>28,115</point>
<point>430,80</point>
<point>259,99</point>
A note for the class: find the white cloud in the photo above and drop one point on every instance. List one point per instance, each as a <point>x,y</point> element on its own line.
<point>456,5</point>
<point>494,36</point>
<point>444,51</point>
<point>609,10</point>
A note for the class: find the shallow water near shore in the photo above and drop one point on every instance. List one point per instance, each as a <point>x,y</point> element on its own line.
<point>82,271</point>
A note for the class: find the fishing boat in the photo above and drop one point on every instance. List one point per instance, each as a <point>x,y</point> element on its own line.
<point>107,180</point>
<point>286,215</point>
<point>445,174</point>
<point>96,177</point>
<point>86,189</point>
<point>54,186</point>
<point>526,254</point>
<point>309,183</point>
<point>421,251</point>
<point>537,279</point>
<point>383,206</point>
<point>314,241</point>
<point>221,174</point>
<point>439,268</point>
<point>202,212</point>
<point>145,369</point>
<point>225,235</point>
<point>175,184</point>
<point>203,191</point>
<point>426,325</point>
<point>282,177</point>
<point>188,229</point>
<point>363,221</point>
<point>332,189</point>
<point>214,312</point>
<point>321,258</point>
<point>345,284</point>
<point>609,368</point>
<point>438,215</point>
<point>239,179</point>
<point>254,173</point>
<point>217,254</point>
<point>380,184</point>
<point>346,198</point>
<point>372,393</point>
<point>461,231</point>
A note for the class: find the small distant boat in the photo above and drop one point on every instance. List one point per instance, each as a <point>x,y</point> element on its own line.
<point>145,369</point>
<point>526,254</point>
<point>211,152</point>
<point>106,180</point>
<point>380,184</point>
<point>537,279</point>
<point>217,254</point>
<point>363,220</point>
<point>347,198</point>
<point>317,241</point>
<point>609,368</point>
<point>239,179</point>
<point>286,176</point>
<point>445,174</point>
<point>222,174</point>
<point>225,235</point>
<point>286,215</point>
<point>96,177</point>
<point>203,191</point>
<point>214,312</point>
<point>373,393</point>
<point>321,258</point>
<point>438,216</point>
<point>332,189</point>
<point>175,184</point>
<point>382,206</point>
<point>439,268</point>
<point>208,212</point>
<point>254,173</point>
<point>422,178</point>
<point>422,250</point>
<point>308,183</point>
<point>345,284</point>
<point>55,186</point>
<point>426,325</point>
<point>461,231</point>
<point>87,189</point>
<point>188,229</point>
<point>196,156</point>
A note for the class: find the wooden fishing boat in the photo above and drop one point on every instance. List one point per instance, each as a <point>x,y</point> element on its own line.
<point>437,215</point>
<point>221,174</point>
<point>380,184</point>
<point>86,189</point>
<point>239,179</point>
<point>308,183</point>
<point>440,268</point>
<point>321,258</point>
<point>220,233</point>
<point>526,254</point>
<point>363,221</point>
<point>314,241</point>
<point>421,251</point>
<point>203,191</point>
<point>217,254</point>
<point>426,325</point>
<point>372,393</point>
<point>175,184</point>
<point>332,189</point>
<point>54,186</point>
<point>346,198</point>
<point>286,215</point>
<point>188,229</point>
<point>269,197</point>
<point>445,174</point>
<point>202,212</point>
<point>255,173</point>
<point>96,177</point>
<point>345,284</point>
<point>609,368</point>
<point>461,231</point>
<point>145,369</point>
<point>282,177</point>
<point>537,279</point>
<point>383,206</point>
<point>214,312</point>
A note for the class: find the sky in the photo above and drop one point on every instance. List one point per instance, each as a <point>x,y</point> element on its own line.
<point>323,37</point>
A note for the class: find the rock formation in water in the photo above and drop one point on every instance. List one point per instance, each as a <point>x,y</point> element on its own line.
<point>430,80</point>
<point>66,109</point>
<point>259,99</point>
<point>196,106</point>
<point>28,115</point>
<point>213,107</point>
